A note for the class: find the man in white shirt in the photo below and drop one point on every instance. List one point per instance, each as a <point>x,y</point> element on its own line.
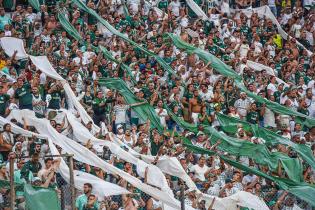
<point>271,88</point>
<point>162,113</point>
<point>205,93</point>
<point>174,6</point>
<point>242,105</point>
<point>201,170</point>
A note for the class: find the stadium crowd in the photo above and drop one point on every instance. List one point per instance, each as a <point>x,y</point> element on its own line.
<point>196,93</point>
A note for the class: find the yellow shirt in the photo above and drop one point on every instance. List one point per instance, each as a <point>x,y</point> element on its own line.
<point>2,64</point>
<point>278,41</point>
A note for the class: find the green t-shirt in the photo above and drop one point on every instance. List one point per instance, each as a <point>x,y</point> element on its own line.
<point>213,49</point>
<point>205,121</point>
<point>252,117</point>
<point>155,147</point>
<point>4,98</point>
<point>55,100</point>
<point>96,106</point>
<point>3,21</point>
<point>24,94</point>
<point>82,200</point>
<point>30,167</point>
<point>303,111</point>
<point>88,100</point>
<point>163,4</point>
<point>277,95</point>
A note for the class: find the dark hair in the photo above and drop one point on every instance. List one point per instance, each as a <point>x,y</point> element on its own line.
<point>89,185</point>
<point>92,195</point>
<point>5,125</point>
<point>48,159</point>
<point>35,154</point>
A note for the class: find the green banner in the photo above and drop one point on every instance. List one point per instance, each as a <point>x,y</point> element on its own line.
<point>231,124</point>
<point>258,152</point>
<point>144,111</point>
<point>71,30</point>
<point>37,198</point>
<point>124,67</point>
<point>4,184</point>
<point>303,190</point>
<point>225,70</point>
<point>35,4</point>
<point>92,12</point>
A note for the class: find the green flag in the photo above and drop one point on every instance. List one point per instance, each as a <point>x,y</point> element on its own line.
<point>37,198</point>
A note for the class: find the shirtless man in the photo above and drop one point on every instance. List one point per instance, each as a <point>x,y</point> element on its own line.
<point>195,105</point>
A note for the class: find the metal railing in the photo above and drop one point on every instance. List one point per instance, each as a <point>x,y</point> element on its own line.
<point>63,186</point>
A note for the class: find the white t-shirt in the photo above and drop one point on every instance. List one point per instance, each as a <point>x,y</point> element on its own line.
<point>175,5</point>
<point>162,115</point>
<point>244,48</point>
<point>206,96</point>
<point>120,113</point>
<point>272,87</point>
<point>199,171</point>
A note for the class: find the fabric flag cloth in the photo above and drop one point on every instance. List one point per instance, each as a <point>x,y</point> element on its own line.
<point>197,10</point>
<point>155,176</point>
<point>169,165</point>
<point>264,11</point>
<point>84,155</point>
<point>50,71</point>
<point>70,146</point>
<point>269,70</point>
<point>302,190</point>
<point>126,68</point>
<point>40,198</point>
<point>100,187</point>
<point>35,4</point>
<point>10,44</point>
<point>258,152</point>
<point>71,30</point>
<point>231,124</point>
<point>225,70</point>
<point>144,111</point>
<point>92,12</point>
<point>295,187</point>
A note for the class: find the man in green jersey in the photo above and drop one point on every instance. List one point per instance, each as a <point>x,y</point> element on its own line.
<point>83,199</point>
<point>4,99</point>
<point>24,94</point>
<point>99,107</point>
